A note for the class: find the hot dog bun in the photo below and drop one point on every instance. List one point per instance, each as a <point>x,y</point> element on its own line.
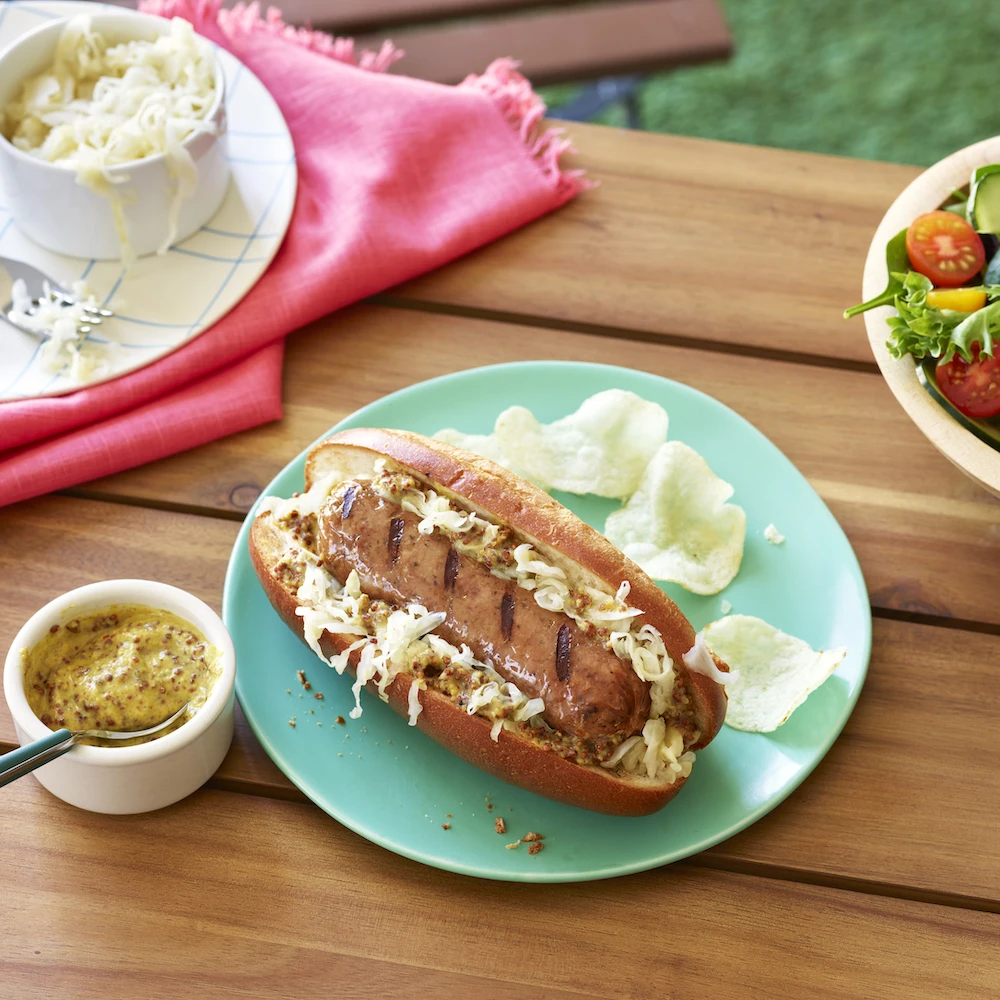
<point>558,537</point>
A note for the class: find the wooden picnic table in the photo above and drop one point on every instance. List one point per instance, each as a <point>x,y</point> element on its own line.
<point>725,267</point>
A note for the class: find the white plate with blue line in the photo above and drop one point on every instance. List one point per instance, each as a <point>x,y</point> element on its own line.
<point>164,300</point>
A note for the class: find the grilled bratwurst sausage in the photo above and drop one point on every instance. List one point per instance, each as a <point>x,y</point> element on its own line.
<point>588,691</point>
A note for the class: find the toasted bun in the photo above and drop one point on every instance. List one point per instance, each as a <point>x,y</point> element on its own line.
<point>559,537</point>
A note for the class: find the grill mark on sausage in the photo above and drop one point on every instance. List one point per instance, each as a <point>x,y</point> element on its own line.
<point>450,569</point>
<point>602,696</point>
<point>507,615</point>
<point>396,526</point>
<point>564,651</point>
<point>349,494</point>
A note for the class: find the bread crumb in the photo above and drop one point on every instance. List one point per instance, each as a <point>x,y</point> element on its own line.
<point>340,721</point>
<point>446,826</point>
<point>499,825</point>
<point>318,695</point>
<point>536,847</point>
<point>529,837</point>
<point>511,847</point>
<point>291,722</point>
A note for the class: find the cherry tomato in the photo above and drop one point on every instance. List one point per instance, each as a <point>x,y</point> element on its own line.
<point>973,387</point>
<point>945,248</point>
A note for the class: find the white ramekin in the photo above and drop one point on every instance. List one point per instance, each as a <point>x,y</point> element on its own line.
<point>150,775</point>
<point>51,208</point>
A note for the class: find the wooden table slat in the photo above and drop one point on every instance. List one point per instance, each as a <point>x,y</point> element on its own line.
<point>924,683</point>
<point>928,538</point>
<point>715,241</point>
<point>311,906</point>
<point>725,267</point>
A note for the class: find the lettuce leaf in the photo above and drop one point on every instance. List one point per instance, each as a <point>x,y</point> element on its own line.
<point>922,331</point>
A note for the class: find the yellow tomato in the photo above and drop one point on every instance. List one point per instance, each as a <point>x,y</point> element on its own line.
<point>963,300</point>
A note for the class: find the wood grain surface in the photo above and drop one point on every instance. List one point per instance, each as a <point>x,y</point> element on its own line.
<point>908,512</point>
<point>877,769</point>
<point>311,907</point>
<point>724,267</point>
<point>695,240</point>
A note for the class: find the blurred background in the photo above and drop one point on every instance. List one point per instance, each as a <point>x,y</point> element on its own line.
<point>902,80</point>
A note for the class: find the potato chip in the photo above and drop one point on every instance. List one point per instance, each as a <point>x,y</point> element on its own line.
<point>677,525</point>
<point>776,671</point>
<point>602,448</point>
<point>486,445</point>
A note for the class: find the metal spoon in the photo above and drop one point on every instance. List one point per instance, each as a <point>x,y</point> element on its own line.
<point>24,759</point>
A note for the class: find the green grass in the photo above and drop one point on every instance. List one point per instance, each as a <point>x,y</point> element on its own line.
<point>902,80</point>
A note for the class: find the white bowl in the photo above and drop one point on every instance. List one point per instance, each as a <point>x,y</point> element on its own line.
<point>51,208</point>
<point>977,459</point>
<point>146,776</point>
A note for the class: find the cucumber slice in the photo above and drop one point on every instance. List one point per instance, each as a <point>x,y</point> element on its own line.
<point>984,199</point>
<point>992,276</point>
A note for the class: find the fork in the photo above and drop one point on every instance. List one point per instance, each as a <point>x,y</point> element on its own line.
<point>36,282</point>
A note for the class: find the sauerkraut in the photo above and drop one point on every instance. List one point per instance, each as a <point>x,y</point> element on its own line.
<point>60,322</point>
<point>99,106</point>
<point>392,645</point>
<point>657,752</point>
<point>589,607</point>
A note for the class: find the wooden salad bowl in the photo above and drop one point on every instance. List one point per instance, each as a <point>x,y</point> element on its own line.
<point>955,439</point>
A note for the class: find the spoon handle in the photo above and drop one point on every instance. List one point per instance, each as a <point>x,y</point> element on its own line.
<point>24,759</point>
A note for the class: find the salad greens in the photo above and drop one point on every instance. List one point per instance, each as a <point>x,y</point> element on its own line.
<point>922,330</point>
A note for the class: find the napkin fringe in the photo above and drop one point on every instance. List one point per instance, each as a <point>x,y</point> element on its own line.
<point>245,19</point>
<point>524,111</point>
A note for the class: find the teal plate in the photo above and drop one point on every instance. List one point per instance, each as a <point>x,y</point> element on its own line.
<point>394,786</point>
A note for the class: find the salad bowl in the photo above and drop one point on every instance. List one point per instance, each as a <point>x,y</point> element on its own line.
<point>971,445</point>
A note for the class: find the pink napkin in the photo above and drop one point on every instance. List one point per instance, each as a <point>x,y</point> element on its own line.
<point>396,177</point>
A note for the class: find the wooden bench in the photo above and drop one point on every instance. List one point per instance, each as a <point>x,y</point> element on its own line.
<point>560,41</point>
<point>557,41</point>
